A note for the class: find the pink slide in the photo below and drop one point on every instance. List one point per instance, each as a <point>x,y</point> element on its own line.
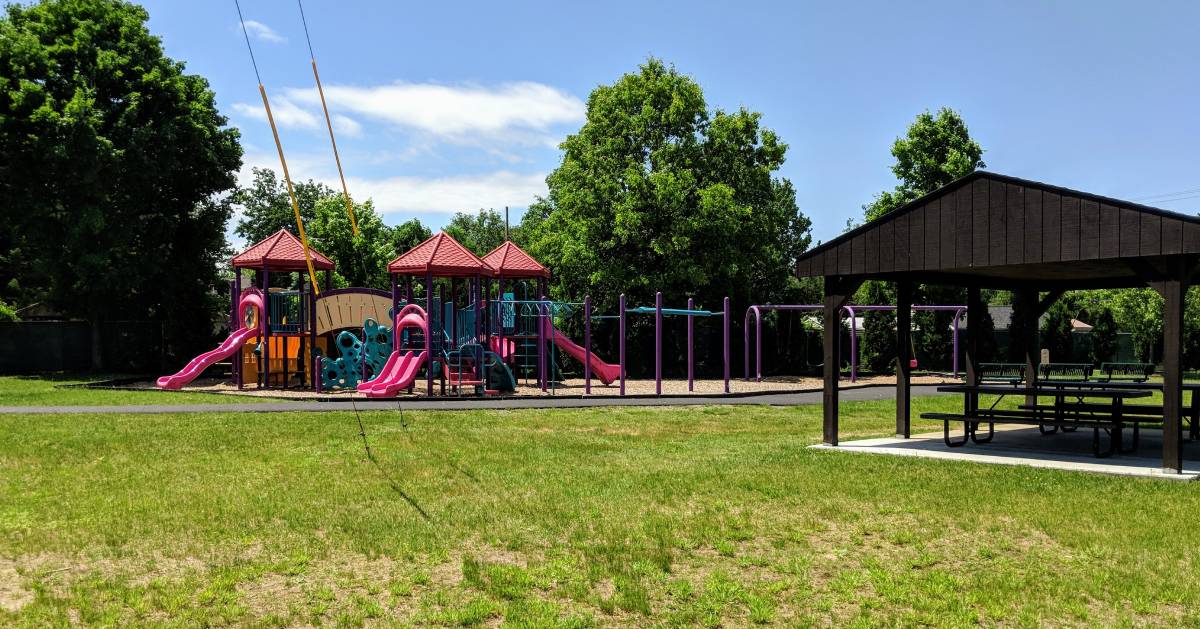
<point>504,350</point>
<point>251,299</point>
<point>606,372</point>
<point>401,368</point>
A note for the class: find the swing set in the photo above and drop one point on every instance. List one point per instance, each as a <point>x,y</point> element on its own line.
<point>851,311</point>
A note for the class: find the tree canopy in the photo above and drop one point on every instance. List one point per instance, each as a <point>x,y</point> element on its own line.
<point>657,192</point>
<point>936,150</point>
<point>360,261</point>
<point>480,232</point>
<point>115,156</point>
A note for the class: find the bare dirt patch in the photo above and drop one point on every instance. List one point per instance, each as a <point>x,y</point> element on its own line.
<point>13,595</point>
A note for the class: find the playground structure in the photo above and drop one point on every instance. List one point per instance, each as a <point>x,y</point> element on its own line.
<point>476,325</point>
<point>848,310</point>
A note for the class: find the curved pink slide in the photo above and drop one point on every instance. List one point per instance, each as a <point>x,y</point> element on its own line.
<point>250,299</point>
<point>606,372</point>
<point>401,368</point>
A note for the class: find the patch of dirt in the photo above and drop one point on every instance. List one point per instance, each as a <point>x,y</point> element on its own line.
<point>270,595</point>
<point>13,595</point>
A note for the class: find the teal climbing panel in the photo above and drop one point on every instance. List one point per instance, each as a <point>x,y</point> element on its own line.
<point>357,358</point>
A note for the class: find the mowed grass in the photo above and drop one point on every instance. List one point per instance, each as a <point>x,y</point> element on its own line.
<point>606,517</point>
<point>43,391</point>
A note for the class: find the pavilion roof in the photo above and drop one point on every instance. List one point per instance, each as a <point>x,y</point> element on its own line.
<point>441,255</point>
<point>280,251</point>
<point>509,260</point>
<point>992,230</point>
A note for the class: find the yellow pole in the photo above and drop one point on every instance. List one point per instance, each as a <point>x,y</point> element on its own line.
<point>336,157</point>
<point>312,275</point>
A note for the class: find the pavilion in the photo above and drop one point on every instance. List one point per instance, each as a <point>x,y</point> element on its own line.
<point>988,230</point>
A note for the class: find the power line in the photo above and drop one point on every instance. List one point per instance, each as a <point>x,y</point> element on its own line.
<point>1192,191</point>
<point>248,46</point>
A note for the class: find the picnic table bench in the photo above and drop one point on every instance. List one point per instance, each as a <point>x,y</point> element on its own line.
<point>1065,371</point>
<point>1134,372</point>
<point>1011,373</point>
<point>1060,415</point>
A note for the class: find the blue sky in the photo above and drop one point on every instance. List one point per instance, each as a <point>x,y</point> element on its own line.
<point>443,107</point>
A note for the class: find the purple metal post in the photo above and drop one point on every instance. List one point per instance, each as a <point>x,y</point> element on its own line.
<point>658,343</point>
<point>429,357</point>
<point>312,326</point>
<point>395,311</point>
<point>266,342</point>
<point>725,321</point>
<point>236,324</point>
<point>621,342</point>
<point>691,363</point>
<point>316,373</point>
<point>587,345</point>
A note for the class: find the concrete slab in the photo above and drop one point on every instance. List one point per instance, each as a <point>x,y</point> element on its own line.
<point>1024,445</point>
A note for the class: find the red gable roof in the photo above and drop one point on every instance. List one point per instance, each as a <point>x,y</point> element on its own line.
<point>280,251</point>
<point>441,255</point>
<point>510,260</point>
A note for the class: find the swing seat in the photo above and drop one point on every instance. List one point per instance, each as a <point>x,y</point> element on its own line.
<point>912,364</point>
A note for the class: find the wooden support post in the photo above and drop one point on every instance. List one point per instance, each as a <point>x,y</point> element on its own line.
<point>837,292</point>
<point>975,313</point>
<point>1173,288</point>
<point>1026,302</point>
<point>903,357</point>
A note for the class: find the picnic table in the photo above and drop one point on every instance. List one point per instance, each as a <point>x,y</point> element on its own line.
<point>1192,412</point>
<point>1068,416</point>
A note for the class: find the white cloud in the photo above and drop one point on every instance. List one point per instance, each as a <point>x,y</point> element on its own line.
<point>286,113</point>
<point>264,33</point>
<point>347,126</point>
<point>408,194</point>
<point>457,112</point>
<point>403,195</point>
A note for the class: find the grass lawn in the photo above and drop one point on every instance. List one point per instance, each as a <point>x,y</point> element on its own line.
<point>42,391</point>
<point>620,516</point>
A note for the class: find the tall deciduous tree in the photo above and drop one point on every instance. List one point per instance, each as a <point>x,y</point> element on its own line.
<point>267,208</point>
<point>111,160</point>
<point>657,192</point>
<point>361,260</point>
<point>480,232</point>
<point>409,234</point>
<point>935,150</point>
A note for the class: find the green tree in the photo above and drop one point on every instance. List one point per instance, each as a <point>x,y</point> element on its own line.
<point>409,234</point>
<point>936,150</point>
<point>111,171</point>
<point>8,313</point>
<point>1056,332</point>
<point>1138,311</point>
<point>655,192</point>
<point>361,260</point>
<point>266,207</point>
<point>1104,335</point>
<point>480,232</point>
<point>878,345</point>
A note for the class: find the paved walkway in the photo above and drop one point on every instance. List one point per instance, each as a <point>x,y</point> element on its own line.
<point>452,404</point>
